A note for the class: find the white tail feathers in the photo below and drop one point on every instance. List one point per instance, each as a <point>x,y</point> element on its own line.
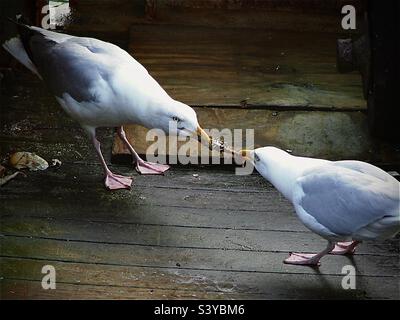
<point>15,47</point>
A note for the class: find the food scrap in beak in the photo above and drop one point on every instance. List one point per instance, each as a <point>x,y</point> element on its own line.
<point>203,138</point>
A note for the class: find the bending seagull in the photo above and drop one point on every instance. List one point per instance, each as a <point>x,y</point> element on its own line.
<point>100,85</point>
<point>346,201</point>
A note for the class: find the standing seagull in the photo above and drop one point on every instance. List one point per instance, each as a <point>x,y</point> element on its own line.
<point>339,200</point>
<point>100,85</point>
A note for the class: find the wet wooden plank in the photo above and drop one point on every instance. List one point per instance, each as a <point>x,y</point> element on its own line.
<point>168,236</point>
<point>81,191</point>
<point>188,210</point>
<point>23,289</point>
<point>180,283</point>
<point>116,211</point>
<point>178,177</point>
<point>92,192</point>
<point>200,259</point>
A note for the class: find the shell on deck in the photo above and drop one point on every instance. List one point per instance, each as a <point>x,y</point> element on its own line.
<point>28,160</point>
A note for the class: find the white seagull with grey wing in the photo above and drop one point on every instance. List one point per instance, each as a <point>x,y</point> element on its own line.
<point>100,85</point>
<point>347,201</point>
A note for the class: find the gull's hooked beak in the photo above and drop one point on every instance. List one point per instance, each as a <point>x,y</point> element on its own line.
<point>203,136</point>
<point>247,154</point>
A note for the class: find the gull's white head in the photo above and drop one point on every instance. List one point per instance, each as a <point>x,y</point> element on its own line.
<point>178,118</point>
<point>275,165</point>
<point>261,157</point>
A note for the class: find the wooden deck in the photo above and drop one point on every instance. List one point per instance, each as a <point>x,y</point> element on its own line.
<point>215,235</point>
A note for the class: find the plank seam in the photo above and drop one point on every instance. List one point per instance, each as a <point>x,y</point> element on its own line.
<point>190,268</point>
<point>167,246</point>
<point>153,224</point>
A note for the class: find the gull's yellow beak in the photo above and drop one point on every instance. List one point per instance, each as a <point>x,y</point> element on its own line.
<point>203,136</point>
<point>247,154</point>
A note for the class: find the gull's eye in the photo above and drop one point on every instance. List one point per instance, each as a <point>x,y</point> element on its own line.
<point>256,157</point>
<point>175,119</point>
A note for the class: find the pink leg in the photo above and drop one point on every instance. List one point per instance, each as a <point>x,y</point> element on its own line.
<point>112,181</point>
<point>142,166</point>
<point>308,259</point>
<point>342,248</point>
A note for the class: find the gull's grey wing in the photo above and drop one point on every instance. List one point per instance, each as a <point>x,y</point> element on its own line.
<point>70,64</point>
<point>343,200</point>
<point>366,168</point>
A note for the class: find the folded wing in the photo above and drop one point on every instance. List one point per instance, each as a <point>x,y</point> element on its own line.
<point>345,201</point>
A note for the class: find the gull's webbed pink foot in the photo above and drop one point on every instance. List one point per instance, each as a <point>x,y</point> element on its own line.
<point>144,167</point>
<point>115,181</point>
<point>304,259</point>
<point>308,259</point>
<point>342,248</point>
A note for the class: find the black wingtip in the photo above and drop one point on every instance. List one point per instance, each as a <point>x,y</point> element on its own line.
<point>19,21</point>
<point>25,32</point>
<point>12,20</point>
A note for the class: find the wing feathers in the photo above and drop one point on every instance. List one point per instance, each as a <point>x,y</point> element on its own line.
<point>15,47</point>
<point>345,201</point>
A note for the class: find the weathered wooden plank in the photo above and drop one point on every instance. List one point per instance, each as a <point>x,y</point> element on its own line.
<point>345,134</point>
<point>173,236</point>
<point>211,177</point>
<point>76,192</point>
<point>191,199</point>
<point>225,285</point>
<point>268,92</point>
<point>198,208</point>
<point>156,215</point>
<point>202,178</point>
<point>22,289</point>
<point>107,212</point>
<point>59,185</point>
<point>312,16</point>
<point>161,235</point>
<point>201,66</point>
<point>75,214</point>
<point>162,255</point>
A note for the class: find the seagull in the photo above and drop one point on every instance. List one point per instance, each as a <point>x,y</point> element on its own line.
<point>100,85</point>
<point>344,202</point>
